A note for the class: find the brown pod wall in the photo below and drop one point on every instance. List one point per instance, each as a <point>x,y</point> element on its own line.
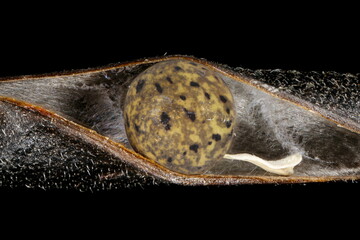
<point>67,130</point>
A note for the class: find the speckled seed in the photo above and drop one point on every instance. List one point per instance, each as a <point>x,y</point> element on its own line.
<point>180,114</point>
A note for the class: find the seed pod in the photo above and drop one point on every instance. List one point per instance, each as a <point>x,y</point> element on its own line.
<point>67,130</point>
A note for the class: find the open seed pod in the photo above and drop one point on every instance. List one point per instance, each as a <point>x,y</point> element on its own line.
<point>68,130</point>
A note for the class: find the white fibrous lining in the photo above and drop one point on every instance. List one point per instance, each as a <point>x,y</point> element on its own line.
<point>265,125</point>
<point>74,99</point>
<point>275,122</point>
<point>283,121</point>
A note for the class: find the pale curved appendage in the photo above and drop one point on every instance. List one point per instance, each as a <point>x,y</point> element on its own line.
<point>284,166</point>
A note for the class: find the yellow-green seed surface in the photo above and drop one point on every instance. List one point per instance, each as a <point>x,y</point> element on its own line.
<point>180,114</point>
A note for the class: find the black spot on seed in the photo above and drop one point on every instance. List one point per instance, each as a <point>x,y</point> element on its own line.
<point>194,84</point>
<point>207,95</point>
<point>190,114</point>
<point>177,68</point>
<point>183,97</point>
<point>228,110</point>
<point>169,80</point>
<point>127,120</point>
<point>216,137</point>
<point>169,159</point>
<point>209,143</point>
<point>223,99</point>
<point>217,78</point>
<point>158,87</point>
<point>165,119</point>
<point>184,153</point>
<point>140,86</point>
<point>192,63</point>
<point>228,123</point>
<point>137,128</point>
<point>194,148</point>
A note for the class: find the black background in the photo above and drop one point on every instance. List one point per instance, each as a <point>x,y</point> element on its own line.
<point>321,48</point>
<point>297,37</point>
<point>288,36</point>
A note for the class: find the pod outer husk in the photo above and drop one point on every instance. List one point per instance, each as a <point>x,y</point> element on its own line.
<point>48,150</point>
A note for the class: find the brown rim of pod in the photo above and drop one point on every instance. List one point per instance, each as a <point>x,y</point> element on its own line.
<point>184,120</point>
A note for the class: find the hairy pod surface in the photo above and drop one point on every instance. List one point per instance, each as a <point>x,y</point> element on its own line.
<point>68,130</point>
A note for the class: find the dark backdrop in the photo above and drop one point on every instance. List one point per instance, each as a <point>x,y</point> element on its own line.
<point>302,37</point>
<point>267,47</point>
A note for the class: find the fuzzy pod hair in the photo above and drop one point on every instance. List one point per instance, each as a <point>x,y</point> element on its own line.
<point>66,131</point>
